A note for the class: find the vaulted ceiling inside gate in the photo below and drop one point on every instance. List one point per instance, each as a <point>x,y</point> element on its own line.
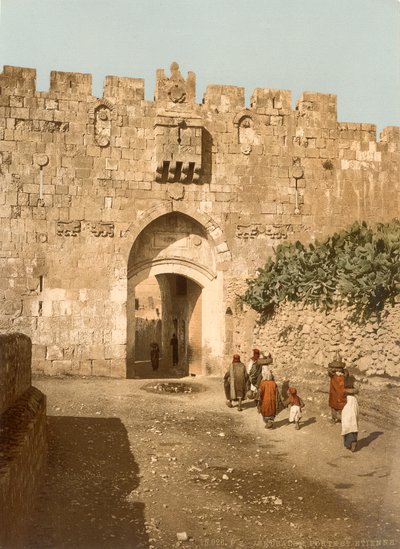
<point>174,238</point>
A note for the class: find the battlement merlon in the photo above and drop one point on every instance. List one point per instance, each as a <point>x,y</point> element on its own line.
<point>18,81</point>
<point>224,99</point>
<point>121,89</point>
<point>70,83</point>
<point>315,102</point>
<point>390,134</point>
<point>269,101</point>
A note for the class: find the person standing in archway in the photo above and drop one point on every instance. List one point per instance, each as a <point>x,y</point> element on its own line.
<point>175,355</point>
<point>155,356</point>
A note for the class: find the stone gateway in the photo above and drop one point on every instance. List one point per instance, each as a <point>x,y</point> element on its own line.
<point>124,221</point>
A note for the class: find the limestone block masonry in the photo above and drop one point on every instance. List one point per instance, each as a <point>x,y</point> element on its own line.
<point>23,439</point>
<point>82,179</point>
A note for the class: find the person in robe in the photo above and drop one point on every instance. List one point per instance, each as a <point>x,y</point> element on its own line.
<point>252,362</point>
<point>337,396</point>
<point>174,344</point>
<point>350,423</point>
<point>269,398</point>
<point>350,415</point>
<point>236,382</point>
<point>154,356</point>
<point>296,405</point>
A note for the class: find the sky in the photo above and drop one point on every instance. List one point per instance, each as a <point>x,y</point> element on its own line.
<point>347,47</point>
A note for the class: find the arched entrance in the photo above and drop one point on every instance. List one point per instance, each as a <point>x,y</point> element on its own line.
<point>173,262</point>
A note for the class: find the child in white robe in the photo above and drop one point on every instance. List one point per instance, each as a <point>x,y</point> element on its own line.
<point>350,421</point>
<point>296,405</point>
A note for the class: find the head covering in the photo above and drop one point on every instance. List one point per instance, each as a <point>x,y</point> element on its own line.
<point>266,373</point>
<point>266,360</point>
<point>337,362</point>
<point>236,358</point>
<point>293,398</point>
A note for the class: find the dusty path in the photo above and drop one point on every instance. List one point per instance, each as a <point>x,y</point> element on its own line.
<point>129,468</point>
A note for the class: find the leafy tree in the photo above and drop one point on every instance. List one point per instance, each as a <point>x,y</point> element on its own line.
<point>359,266</point>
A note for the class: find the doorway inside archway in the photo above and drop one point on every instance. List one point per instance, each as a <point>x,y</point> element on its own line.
<point>171,275</point>
<point>168,313</point>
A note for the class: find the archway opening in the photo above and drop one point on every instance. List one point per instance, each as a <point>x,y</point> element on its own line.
<point>171,272</point>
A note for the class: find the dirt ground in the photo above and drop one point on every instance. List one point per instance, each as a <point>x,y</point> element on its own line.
<point>133,466</point>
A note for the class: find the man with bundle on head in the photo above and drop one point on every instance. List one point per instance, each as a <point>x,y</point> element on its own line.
<point>337,396</point>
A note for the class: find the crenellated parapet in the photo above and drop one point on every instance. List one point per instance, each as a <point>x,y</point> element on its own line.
<point>174,92</point>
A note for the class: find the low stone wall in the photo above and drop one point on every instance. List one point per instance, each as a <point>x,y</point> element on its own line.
<point>23,440</point>
<point>15,367</point>
<point>301,335</point>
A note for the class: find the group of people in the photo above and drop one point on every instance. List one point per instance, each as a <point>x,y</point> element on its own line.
<point>155,353</point>
<point>256,382</point>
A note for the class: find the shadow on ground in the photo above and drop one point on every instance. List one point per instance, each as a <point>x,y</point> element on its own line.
<point>143,370</point>
<point>366,441</point>
<point>85,499</point>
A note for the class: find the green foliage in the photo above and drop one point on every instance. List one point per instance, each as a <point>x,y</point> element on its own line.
<point>359,266</point>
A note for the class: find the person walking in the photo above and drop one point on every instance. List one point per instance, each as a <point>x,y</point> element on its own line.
<point>296,405</point>
<point>255,373</point>
<point>337,397</point>
<point>350,414</point>
<point>236,382</point>
<point>250,367</point>
<point>269,398</point>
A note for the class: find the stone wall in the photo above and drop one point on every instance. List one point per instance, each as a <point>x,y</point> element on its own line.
<point>299,336</point>
<point>15,368</point>
<point>82,177</point>
<point>23,440</point>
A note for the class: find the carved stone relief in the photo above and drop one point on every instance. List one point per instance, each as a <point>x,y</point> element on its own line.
<point>176,191</point>
<point>175,88</point>
<point>73,228</point>
<point>41,125</point>
<point>101,116</point>
<point>102,229</point>
<point>102,126</point>
<point>68,228</point>
<point>247,135</point>
<point>258,230</point>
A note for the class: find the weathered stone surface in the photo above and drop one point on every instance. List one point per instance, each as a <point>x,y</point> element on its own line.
<point>285,337</point>
<point>86,179</point>
<point>23,439</point>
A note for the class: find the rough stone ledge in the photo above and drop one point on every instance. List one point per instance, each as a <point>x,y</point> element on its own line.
<point>16,421</point>
<point>23,451</point>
